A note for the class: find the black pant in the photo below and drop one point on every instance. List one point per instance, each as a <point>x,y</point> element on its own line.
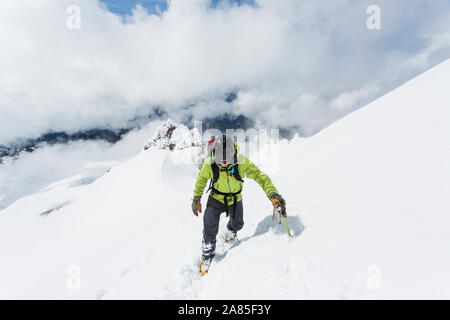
<point>211,219</point>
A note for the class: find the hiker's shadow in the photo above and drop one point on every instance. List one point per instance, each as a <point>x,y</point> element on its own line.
<point>294,223</point>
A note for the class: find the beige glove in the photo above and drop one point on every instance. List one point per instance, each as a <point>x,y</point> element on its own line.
<point>196,206</point>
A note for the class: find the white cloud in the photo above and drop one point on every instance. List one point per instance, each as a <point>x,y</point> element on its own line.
<point>350,99</point>
<point>277,54</point>
<point>71,164</point>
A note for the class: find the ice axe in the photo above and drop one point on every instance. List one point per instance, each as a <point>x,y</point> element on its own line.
<point>278,217</point>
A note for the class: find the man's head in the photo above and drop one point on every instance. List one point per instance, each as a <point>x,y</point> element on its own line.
<point>224,151</point>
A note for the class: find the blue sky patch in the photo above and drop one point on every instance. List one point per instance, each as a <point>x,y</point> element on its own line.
<point>124,7</point>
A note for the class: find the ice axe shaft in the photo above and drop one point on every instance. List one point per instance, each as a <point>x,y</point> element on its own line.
<point>277,211</point>
<point>286,226</point>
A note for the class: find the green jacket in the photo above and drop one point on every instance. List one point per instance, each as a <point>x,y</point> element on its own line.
<point>228,183</point>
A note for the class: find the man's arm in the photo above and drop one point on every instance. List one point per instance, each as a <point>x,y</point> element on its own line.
<point>253,172</point>
<point>202,179</point>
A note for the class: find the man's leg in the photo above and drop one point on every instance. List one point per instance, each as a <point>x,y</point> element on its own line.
<point>211,220</point>
<point>236,222</point>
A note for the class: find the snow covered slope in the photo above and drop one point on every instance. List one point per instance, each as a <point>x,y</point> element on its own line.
<point>368,202</point>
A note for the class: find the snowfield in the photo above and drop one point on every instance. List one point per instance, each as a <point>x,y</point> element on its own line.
<point>368,201</point>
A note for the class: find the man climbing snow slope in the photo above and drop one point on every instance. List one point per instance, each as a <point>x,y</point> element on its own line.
<point>226,167</point>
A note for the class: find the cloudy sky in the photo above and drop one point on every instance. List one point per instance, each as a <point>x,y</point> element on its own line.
<point>293,63</point>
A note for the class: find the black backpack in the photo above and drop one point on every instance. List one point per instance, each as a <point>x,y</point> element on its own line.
<point>234,171</point>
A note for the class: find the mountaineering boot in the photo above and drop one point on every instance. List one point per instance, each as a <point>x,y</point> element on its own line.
<point>204,265</point>
<point>229,236</point>
<point>207,256</point>
<point>209,250</point>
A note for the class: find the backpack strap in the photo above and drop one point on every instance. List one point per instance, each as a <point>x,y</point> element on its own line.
<point>225,199</point>
<point>215,171</point>
<point>235,173</point>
